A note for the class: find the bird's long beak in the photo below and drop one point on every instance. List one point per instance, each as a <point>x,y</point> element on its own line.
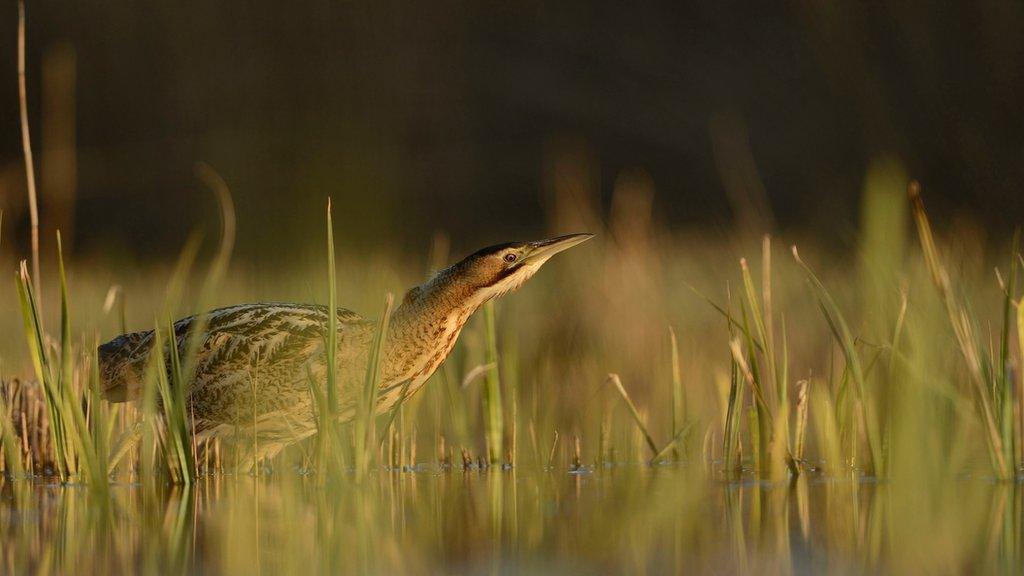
<point>543,249</point>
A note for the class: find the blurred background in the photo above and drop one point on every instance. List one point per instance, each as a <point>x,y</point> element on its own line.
<point>681,135</point>
<point>474,119</point>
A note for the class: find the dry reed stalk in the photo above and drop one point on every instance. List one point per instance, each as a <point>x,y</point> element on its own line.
<point>963,330</point>
<point>26,146</point>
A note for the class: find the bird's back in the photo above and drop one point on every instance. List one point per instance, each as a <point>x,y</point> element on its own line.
<point>252,359</point>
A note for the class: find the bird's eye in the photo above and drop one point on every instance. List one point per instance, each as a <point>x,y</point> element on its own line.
<point>510,258</point>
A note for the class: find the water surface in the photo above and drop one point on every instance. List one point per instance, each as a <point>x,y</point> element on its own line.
<point>621,519</point>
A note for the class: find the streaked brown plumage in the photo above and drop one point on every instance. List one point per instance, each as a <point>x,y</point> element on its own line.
<point>273,348</point>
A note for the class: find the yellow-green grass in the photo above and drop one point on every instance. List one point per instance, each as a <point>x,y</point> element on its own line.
<point>637,406</point>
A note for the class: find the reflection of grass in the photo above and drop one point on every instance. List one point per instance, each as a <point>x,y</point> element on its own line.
<point>813,371</point>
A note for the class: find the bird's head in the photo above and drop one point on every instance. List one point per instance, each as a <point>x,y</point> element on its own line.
<point>497,270</point>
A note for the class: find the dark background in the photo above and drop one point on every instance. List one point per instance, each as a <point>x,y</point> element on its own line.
<point>425,116</point>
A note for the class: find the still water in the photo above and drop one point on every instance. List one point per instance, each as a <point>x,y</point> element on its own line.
<point>622,519</point>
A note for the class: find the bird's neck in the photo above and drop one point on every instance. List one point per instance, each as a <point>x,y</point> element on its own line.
<point>424,327</point>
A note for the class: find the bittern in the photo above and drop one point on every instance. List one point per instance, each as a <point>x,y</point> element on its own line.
<point>255,362</point>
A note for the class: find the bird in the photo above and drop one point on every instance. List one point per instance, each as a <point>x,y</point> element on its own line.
<point>254,363</point>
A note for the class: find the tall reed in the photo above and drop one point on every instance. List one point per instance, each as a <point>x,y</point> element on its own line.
<point>990,384</point>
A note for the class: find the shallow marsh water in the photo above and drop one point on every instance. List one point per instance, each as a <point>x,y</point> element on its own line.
<point>622,519</point>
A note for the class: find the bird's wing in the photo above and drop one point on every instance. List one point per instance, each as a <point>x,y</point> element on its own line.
<point>275,339</point>
<point>259,356</point>
<point>267,330</point>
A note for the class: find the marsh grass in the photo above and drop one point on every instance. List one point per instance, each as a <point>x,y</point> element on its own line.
<point>825,396</point>
<point>365,429</point>
<point>494,420</point>
<point>74,449</point>
<point>988,373</point>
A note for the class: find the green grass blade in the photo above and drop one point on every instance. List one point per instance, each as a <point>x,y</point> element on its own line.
<point>9,445</point>
<point>615,381</point>
<point>679,415</point>
<point>332,316</point>
<point>760,323</point>
<point>733,323</point>
<point>673,443</point>
<point>841,331</point>
<point>964,332</point>
<point>163,387</point>
<point>371,387</point>
<point>1004,378</point>
<point>494,424</point>
<point>803,389</point>
<point>176,412</point>
<point>43,368</point>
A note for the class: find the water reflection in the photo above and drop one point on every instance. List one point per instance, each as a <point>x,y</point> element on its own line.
<point>622,519</point>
